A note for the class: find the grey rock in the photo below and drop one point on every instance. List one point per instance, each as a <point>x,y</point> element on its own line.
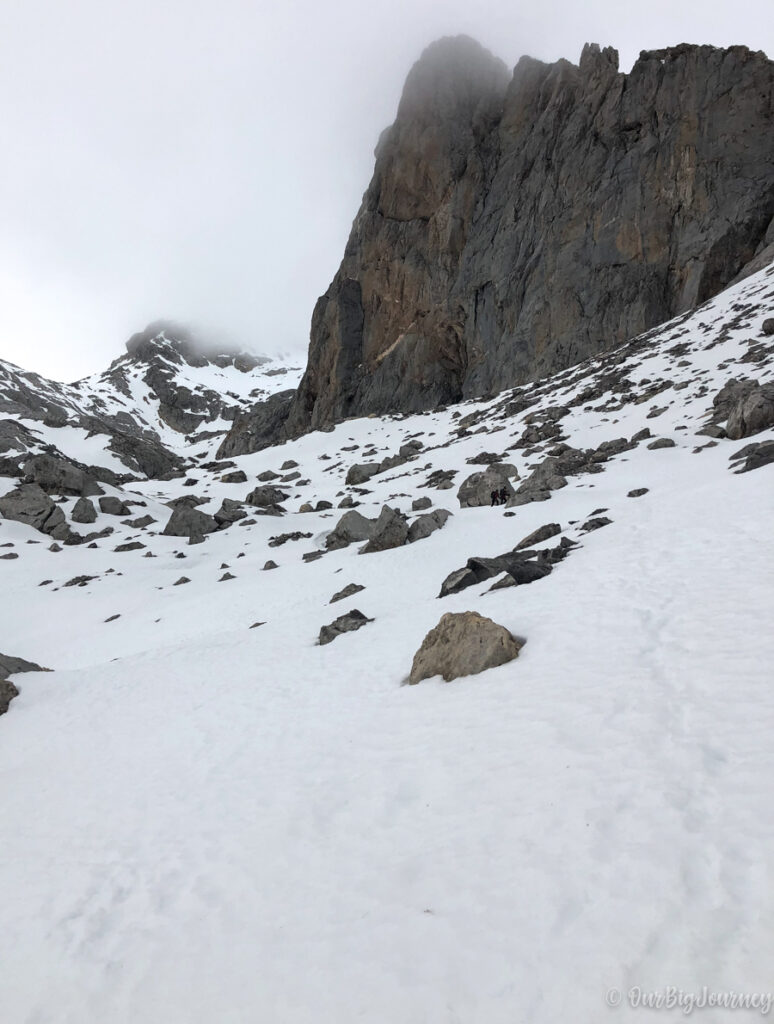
<point>767,327</point>
<point>113,506</point>
<point>753,456</point>
<point>229,512</point>
<point>389,531</point>
<point>263,426</point>
<point>59,476</point>
<point>418,504</point>
<point>463,644</point>
<point>348,591</point>
<point>265,496</point>
<point>476,490</point>
<point>361,473</point>
<point>539,535</point>
<point>752,414</point>
<point>352,527</point>
<point>29,504</point>
<point>427,524</point>
<point>189,522</point>
<point>84,511</point>
<point>637,492</point>
<point>270,565</point>
<point>661,442</point>
<point>10,665</point>
<point>507,264</point>
<point>343,624</point>
<point>7,693</point>
<point>237,477</point>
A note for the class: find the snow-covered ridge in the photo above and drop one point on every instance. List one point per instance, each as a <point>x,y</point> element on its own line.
<point>163,390</point>
<point>209,816</point>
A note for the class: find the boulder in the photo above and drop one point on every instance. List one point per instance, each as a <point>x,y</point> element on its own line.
<point>476,490</point>
<point>343,624</point>
<point>237,477</point>
<point>768,326</point>
<point>56,475</point>
<point>113,506</point>
<point>350,528</point>
<point>361,473</point>
<point>265,496</point>
<point>389,531</point>
<point>29,504</point>
<point>463,644</point>
<point>752,414</point>
<point>753,456</point>
<point>84,511</point>
<point>424,525</point>
<point>189,522</point>
<point>229,512</point>
<point>538,536</point>
<point>661,442</point>
<point>419,504</point>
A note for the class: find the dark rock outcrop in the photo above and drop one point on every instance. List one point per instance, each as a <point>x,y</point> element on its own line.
<point>30,504</point>
<point>514,227</point>
<point>343,624</point>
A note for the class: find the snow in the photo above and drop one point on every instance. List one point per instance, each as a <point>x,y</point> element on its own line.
<point>206,822</point>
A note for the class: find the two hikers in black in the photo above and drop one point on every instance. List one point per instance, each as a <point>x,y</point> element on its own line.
<point>499,497</point>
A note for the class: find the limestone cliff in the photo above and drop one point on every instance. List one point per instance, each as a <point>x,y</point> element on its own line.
<point>516,224</point>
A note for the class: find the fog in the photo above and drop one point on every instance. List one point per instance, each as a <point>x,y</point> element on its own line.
<point>203,162</point>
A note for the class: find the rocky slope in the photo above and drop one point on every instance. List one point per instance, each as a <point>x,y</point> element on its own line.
<point>517,224</point>
<point>140,417</point>
<point>221,763</point>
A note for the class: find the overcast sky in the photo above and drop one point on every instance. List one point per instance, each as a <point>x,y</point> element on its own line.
<point>202,160</point>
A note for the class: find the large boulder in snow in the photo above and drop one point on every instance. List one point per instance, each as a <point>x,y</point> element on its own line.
<point>350,528</point>
<point>266,496</point>
<point>29,504</point>
<point>361,473</point>
<point>389,531</point>
<point>752,414</point>
<point>463,644</point>
<point>113,506</point>
<point>477,489</point>
<point>59,476</point>
<point>189,522</point>
<point>424,525</point>
<point>84,511</point>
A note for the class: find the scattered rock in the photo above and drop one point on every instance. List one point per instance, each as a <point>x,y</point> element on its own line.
<point>266,496</point>
<point>132,545</point>
<point>270,565</point>
<point>661,442</point>
<point>183,579</point>
<point>348,591</point>
<point>418,504</point>
<point>637,492</point>
<point>595,524</point>
<point>463,644</point>
<point>237,477</point>
<point>539,535</point>
<point>755,456</point>
<point>343,624</point>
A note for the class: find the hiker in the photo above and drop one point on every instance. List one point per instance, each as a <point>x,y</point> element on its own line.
<point>495,498</point>
<point>503,496</point>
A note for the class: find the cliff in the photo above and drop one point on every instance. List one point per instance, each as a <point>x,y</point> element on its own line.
<point>517,224</point>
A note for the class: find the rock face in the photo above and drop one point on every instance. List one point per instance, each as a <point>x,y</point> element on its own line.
<point>517,224</point>
<point>463,644</point>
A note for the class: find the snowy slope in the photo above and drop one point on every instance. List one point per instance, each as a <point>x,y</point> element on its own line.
<point>204,821</point>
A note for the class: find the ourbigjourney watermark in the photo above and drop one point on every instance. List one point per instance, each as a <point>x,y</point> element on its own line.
<point>673,998</point>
